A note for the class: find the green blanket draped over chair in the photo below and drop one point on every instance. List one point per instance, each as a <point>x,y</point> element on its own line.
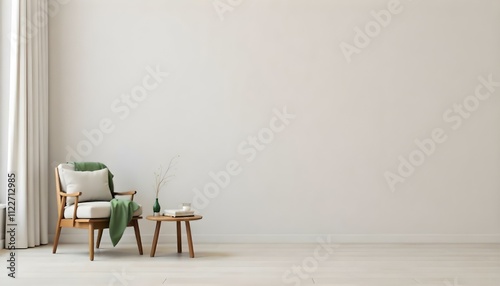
<point>121,210</point>
<point>121,214</point>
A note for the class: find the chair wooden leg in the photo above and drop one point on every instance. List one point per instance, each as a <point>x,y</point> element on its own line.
<point>138,236</point>
<point>91,242</point>
<point>56,238</point>
<point>99,236</point>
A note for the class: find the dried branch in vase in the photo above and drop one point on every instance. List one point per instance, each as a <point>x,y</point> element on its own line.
<point>163,177</point>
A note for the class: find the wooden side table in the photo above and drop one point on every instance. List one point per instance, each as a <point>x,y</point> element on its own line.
<point>178,220</point>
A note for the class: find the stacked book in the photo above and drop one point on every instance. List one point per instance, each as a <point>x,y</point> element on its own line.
<point>178,213</point>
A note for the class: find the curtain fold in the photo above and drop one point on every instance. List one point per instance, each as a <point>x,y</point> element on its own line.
<point>28,121</point>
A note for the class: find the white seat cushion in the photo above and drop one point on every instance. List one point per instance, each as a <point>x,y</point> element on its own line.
<point>93,210</point>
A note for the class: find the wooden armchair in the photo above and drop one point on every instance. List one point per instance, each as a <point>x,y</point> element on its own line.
<point>82,206</point>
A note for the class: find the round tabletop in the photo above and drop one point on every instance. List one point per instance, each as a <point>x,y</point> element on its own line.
<point>169,218</point>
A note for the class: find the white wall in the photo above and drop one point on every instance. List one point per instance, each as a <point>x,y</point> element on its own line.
<point>324,172</point>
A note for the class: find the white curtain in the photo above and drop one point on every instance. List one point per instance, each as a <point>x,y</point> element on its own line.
<point>28,121</point>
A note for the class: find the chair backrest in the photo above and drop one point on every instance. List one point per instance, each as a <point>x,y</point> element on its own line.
<point>60,183</point>
<point>58,188</point>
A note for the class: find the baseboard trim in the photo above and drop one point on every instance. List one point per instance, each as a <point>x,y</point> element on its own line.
<point>295,238</point>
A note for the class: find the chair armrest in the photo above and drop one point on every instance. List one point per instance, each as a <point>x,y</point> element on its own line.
<point>130,193</point>
<point>71,195</point>
<point>64,196</point>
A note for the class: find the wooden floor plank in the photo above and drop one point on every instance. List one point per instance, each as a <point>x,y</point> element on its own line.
<point>261,264</point>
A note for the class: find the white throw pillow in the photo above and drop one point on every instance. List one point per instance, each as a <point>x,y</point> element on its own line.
<point>93,185</point>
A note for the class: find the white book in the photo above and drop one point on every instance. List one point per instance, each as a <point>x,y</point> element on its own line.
<point>178,213</point>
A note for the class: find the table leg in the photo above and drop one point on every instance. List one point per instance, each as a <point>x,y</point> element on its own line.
<point>179,239</point>
<point>190,240</point>
<point>155,238</point>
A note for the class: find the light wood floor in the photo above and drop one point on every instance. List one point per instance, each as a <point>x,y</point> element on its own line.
<point>261,264</point>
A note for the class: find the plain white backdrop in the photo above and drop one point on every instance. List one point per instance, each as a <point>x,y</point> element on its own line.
<point>324,172</point>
